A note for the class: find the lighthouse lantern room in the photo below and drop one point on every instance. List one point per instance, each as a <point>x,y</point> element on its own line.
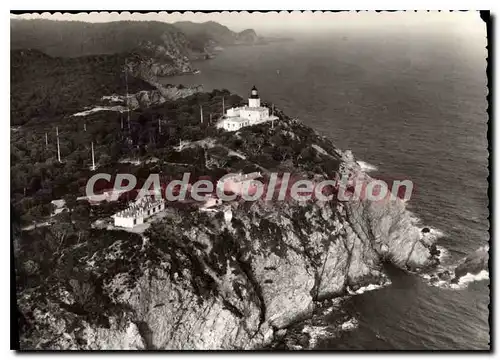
<point>254,100</point>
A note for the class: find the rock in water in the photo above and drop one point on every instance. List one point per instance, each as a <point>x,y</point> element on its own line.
<point>474,263</point>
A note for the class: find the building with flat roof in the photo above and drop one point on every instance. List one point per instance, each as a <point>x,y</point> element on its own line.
<point>138,212</point>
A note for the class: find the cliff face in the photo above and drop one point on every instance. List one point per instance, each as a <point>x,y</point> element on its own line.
<point>248,36</point>
<point>231,279</point>
<point>160,49</point>
<point>206,38</point>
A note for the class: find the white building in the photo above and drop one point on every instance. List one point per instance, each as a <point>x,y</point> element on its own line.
<point>210,203</point>
<point>252,114</point>
<point>138,212</point>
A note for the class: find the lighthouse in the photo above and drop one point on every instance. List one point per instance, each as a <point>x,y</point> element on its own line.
<point>252,114</point>
<point>254,100</point>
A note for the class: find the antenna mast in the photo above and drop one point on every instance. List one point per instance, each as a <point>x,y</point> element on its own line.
<point>126,86</point>
<point>58,147</point>
<point>93,160</point>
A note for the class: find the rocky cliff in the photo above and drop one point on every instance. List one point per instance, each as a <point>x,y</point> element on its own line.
<point>160,49</point>
<point>231,279</point>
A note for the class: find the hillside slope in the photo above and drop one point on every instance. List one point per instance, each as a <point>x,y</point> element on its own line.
<point>229,282</point>
<point>44,87</point>
<point>159,42</point>
<point>205,36</point>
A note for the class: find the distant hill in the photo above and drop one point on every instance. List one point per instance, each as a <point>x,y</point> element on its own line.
<point>43,86</point>
<point>203,35</point>
<point>76,38</point>
<point>162,43</point>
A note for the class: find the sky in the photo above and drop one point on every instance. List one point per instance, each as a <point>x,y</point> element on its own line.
<point>274,22</point>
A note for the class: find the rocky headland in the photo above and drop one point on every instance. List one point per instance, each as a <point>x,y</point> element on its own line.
<point>197,280</point>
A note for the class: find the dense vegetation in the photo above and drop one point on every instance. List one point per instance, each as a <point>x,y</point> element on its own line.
<point>77,38</point>
<point>44,88</point>
<point>37,177</point>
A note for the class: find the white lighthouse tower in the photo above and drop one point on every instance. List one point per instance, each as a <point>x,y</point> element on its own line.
<point>254,100</point>
<point>252,114</point>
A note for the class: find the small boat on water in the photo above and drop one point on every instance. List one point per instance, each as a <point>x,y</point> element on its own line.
<point>196,71</point>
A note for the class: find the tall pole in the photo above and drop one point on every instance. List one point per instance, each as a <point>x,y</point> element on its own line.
<point>223,107</point>
<point>201,114</point>
<point>58,147</point>
<point>84,126</point>
<point>126,86</point>
<point>159,126</point>
<point>93,160</point>
<point>210,121</point>
<point>46,141</point>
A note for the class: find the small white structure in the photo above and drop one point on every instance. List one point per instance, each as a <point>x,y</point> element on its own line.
<point>59,206</point>
<point>138,212</point>
<point>241,183</point>
<point>210,202</point>
<point>253,114</point>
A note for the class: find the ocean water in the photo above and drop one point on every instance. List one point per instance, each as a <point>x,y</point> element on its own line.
<point>410,105</point>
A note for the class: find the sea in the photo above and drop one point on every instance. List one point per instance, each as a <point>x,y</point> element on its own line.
<point>410,104</point>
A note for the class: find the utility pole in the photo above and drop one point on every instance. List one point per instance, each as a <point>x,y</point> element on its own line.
<point>126,86</point>
<point>223,107</point>
<point>201,114</point>
<point>46,141</point>
<point>93,160</point>
<point>58,146</point>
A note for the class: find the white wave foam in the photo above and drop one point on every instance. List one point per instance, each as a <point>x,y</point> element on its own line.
<point>315,333</point>
<point>437,233</point>
<point>366,167</point>
<point>435,278</point>
<point>444,254</point>
<point>350,324</point>
<point>468,278</point>
<point>370,287</point>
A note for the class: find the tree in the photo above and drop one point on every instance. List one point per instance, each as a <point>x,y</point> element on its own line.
<point>282,153</point>
<point>70,201</point>
<point>81,219</point>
